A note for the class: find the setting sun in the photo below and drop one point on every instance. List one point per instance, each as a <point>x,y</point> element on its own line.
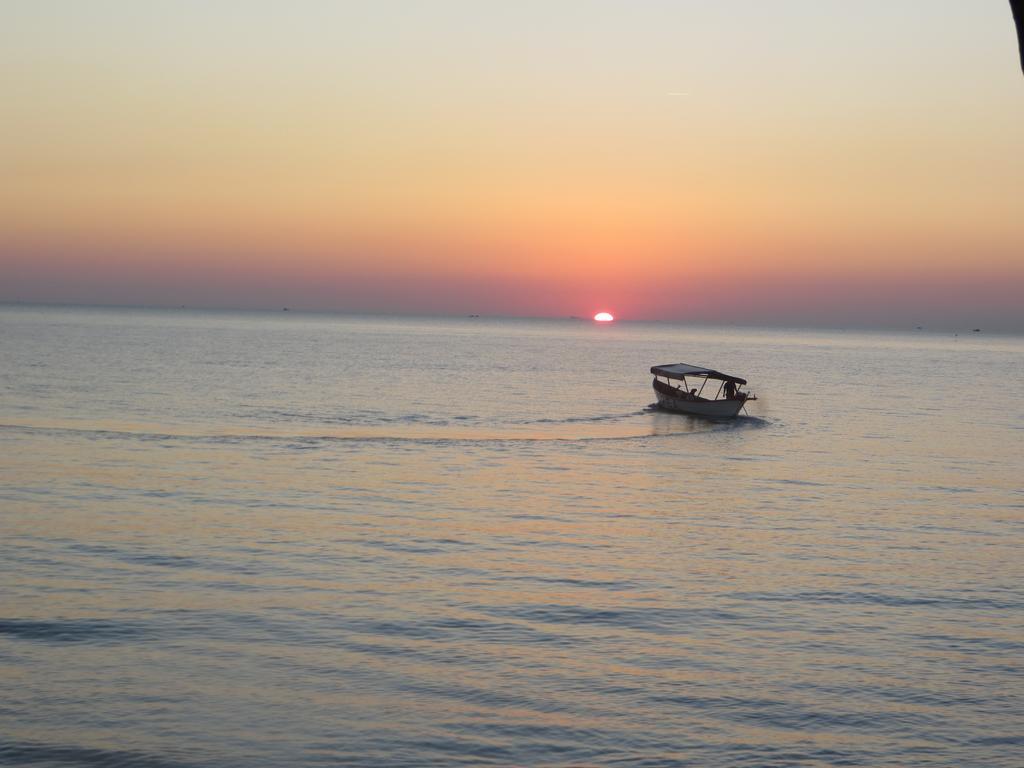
<point>603,317</point>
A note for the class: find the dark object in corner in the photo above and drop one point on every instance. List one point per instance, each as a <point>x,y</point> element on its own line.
<point>1017,6</point>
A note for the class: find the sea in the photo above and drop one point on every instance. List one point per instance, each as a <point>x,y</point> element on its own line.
<point>250,539</point>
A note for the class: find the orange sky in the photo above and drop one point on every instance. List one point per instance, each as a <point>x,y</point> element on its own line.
<point>792,162</point>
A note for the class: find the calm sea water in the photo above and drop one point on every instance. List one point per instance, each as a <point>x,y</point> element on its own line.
<point>235,539</point>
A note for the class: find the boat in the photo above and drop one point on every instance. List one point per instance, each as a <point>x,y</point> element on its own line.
<point>726,403</point>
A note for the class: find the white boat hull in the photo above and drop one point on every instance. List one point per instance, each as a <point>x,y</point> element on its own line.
<point>708,409</point>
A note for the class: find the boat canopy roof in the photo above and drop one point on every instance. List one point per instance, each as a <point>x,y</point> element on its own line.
<point>680,370</point>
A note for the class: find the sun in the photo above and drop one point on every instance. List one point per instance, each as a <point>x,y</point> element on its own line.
<point>603,317</point>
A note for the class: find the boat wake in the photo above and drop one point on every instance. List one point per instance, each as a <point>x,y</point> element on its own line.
<point>587,419</point>
<point>649,423</point>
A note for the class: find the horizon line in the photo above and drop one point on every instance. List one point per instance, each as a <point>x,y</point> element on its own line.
<point>763,324</point>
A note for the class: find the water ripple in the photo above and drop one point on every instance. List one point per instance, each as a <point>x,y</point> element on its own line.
<point>33,753</point>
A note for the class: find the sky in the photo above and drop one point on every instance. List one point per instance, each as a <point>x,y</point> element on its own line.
<point>811,162</point>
